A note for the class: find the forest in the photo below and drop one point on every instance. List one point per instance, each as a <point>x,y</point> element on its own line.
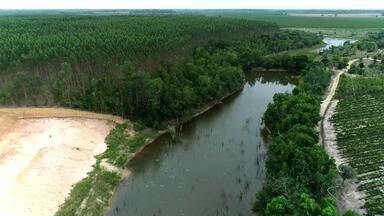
<point>299,172</point>
<point>147,68</point>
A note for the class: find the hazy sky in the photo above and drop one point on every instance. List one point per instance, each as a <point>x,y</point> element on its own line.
<point>196,4</point>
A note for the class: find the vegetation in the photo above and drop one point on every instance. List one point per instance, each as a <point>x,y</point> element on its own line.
<point>337,24</point>
<point>359,126</point>
<point>350,213</point>
<point>170,91</point>
<point>371,68</point>
<point>350,33</point>
<point>152,68</point>
<point>299,172</point>
<point>337,57</point>
<point>114,72</point>
<point>92,194</point>
<point>89,42</point>
<point>302,20</point>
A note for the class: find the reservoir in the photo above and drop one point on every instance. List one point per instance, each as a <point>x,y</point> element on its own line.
<point>216,165</point>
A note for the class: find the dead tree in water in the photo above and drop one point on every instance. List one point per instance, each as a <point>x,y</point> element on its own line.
<point>175,129</point>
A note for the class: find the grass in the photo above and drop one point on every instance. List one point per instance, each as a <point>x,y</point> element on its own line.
<point>91,195</point>
<point>310,51</point>
<point>121,145</point>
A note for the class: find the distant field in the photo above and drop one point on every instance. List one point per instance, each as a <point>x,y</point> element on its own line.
<point>350,33</point>
<point>338,24</point>
<point>306,21</point>
<point>352,15</point>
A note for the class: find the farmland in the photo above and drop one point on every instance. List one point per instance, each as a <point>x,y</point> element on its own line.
<point>359,125</point>
<point>303,21</point>
<point>289,19</point>
<point>333,23</point>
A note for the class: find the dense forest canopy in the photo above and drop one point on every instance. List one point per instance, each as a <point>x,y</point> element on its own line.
<point>299,171</point>
<point>148,68</point>
<point>32,41</point>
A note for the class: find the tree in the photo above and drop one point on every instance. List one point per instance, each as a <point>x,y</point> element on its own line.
<point>347,172</point>
<point>278,206</point>
<point>329,208</point>
<point>307,205</point>
<point>356,69</point>
<point>61,87</point>
<point>26,86</point>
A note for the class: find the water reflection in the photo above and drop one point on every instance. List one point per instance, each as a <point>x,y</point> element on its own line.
<point>214,168</point>
<point>333,42</point>
<point>270,77</point>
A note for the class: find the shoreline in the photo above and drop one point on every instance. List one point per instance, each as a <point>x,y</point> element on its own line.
<point>125,173</point>
<point>10,115</point>
<point>197,113</point>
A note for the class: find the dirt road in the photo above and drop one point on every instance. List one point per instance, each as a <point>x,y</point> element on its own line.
<point>334,84</point>
<point>332,91</point>
<point>351,198</point>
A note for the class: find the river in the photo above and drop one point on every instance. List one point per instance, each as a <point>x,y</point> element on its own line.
<point>214,168</point>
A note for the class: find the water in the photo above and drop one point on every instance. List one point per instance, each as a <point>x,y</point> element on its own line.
<point>216,166</point>
<point>333,42</point>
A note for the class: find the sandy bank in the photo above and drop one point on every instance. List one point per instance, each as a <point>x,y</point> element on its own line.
<point>32,112</point>
<point>40,160</point>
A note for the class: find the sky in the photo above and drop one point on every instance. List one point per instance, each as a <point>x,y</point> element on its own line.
<point>192,4</point>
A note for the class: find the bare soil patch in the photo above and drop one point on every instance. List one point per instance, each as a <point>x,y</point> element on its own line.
<point>40,159</point>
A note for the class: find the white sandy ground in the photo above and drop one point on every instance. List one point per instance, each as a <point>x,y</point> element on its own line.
<point>334,85</point>
<point>351,198</point>
<point>42,157</point>
<point>330,143</point>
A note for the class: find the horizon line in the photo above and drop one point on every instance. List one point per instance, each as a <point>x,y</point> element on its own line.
<point>333,9</point>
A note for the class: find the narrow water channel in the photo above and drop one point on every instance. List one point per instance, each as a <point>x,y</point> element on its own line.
<point>214,168</point>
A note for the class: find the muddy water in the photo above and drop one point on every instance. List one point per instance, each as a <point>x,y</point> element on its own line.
<point>214,168</point>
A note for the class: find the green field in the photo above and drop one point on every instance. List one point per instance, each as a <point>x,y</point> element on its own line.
<point>302,21</point>
<point>340,26</point>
